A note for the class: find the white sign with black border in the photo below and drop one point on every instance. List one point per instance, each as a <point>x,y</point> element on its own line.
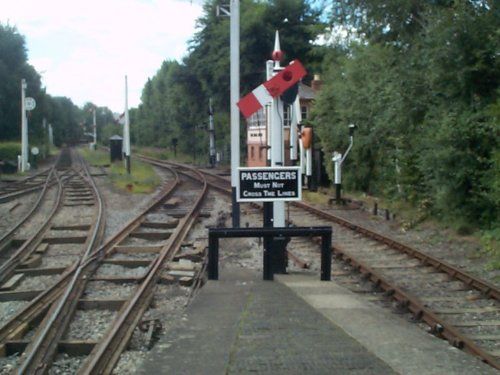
<point>269,184</point>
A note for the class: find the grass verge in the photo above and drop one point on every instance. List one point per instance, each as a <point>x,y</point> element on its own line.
<point>142,179</point>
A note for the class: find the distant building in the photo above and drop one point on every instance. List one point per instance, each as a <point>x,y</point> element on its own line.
<point>257,145</point>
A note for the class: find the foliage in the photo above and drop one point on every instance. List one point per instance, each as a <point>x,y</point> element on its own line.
<point>143,178</point>
<point>9,151</point>
<point>68,121</point>
<point>421,83</point>
<point>175,101</point>
<point>13,68</point>
<point>419,78</point>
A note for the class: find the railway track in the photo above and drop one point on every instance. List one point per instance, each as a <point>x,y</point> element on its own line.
<point>33,183</point>
<point>150,250</point>
<point>40,251</point>
<point>455,305</point>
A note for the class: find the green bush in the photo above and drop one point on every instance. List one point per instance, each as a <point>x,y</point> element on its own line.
<point>9,151</point>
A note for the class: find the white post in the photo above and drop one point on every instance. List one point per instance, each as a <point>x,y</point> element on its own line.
<point>95,128</point>
<point>24,128</point>
<point>296,119</point>
<point>45,139</point>
<point>126,130</point>
<point>235,115</point>
<point>277,149</point>
<point>51,136</point>
<point>211,134</point>
<point>269,75</point>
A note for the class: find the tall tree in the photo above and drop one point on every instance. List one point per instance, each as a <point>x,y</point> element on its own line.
<point>419,83</point>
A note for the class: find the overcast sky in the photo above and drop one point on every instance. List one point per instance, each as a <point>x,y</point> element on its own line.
<point>84,48</point>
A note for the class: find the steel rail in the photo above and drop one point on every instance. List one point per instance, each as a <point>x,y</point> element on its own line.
<point>484,287</point>
<point>439,326</point>
<point>41,351</point>
<point>8,235</point>
<point>26,189</point>
<point>105,356</point>
<point>99,221</point>
<point>48,181</point>
<point>25,249</point>
<point>91,243</point>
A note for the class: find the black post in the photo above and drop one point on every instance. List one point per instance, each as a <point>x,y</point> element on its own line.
<point>235,209</point>
<point>268,240</point>
<point>338,189</point>
<point>127,162</point>
<point>213,249</point>
<point>326,256</point>
<point>213,258</point>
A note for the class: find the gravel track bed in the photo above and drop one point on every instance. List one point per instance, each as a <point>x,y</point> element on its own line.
<point>460,251</point>
<point>104,289</point>
<point>114,270</point>
<point>31,225</point>
<point>143,242</point>
<point>12,210</point>
<point>89,324</point>
<point>37,282</point>
<point>138,256</point>
<point>56,250</point>
<point>10,308</point>
<point>58,261</point>
<point>170,300</point>
<point>65,364</point>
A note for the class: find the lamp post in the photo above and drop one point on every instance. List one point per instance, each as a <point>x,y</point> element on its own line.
<point>338,159</point>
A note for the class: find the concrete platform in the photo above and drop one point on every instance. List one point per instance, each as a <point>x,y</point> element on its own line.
<point>298,325</point>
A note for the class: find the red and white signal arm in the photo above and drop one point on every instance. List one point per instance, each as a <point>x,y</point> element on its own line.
<point>272,88</point>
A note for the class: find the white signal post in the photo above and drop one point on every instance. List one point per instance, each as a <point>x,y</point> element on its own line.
<point>95,128</point>
<point>235,96</point>
<point>24,128</point>
<point>282,80</point>
<point>276,130</point>
<point>126,131</point>
<point>211,134</point>
<point>234,60</point>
